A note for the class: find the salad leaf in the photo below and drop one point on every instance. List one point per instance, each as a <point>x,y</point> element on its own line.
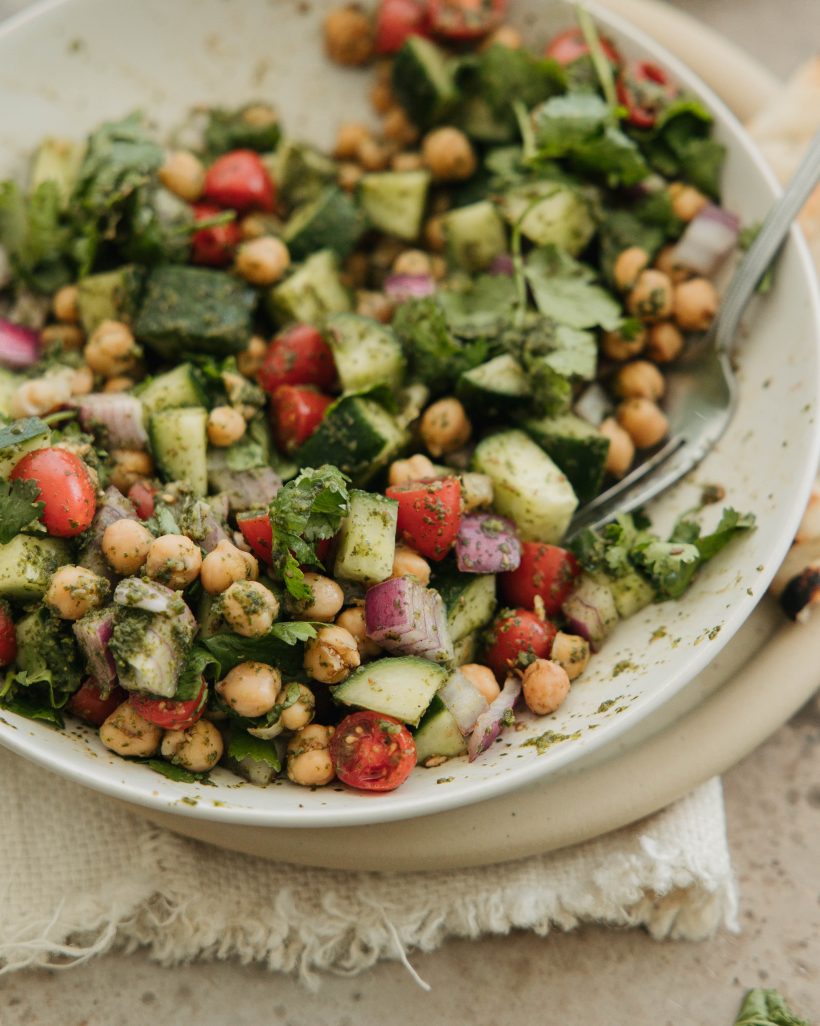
<point>679,146</point>
<point>19,506</point>
<point>177,773</point>
<point>480,306</point>
<point>564,290</point>
<point>669,565</point>
<point>232,130</point>
<point>436,356</point>
<point>197,664</point>
<point>279,647</point>
<point>613,156</point>
<point>22,705</point>
<point>48,659</point>
<point>34,235</point>
<point>648,224</point>
<point>764,1007</point>
<point>242,745</point>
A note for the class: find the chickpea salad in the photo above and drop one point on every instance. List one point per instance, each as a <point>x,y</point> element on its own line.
<point>291,441</point>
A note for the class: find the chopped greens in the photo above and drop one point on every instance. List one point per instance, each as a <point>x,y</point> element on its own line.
<point>19,507</point>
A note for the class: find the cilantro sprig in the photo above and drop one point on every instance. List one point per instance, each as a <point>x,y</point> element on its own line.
<point>19,507</point>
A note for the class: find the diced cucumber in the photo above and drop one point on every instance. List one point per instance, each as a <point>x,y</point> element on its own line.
<point>494,387</point>
<point>394,201</point>
<point>366,352</point>
<point>178,387</point>
<point>475,235</point>
<point>366,541</point>
<point>27,564</point>
<point>331,221</point>
<point>631,592</point>
<point>578,449</point>
<point>528,487</point>
<point>469,598</point>
<point>550,213</point>
<point>110,296</point>
<point>58,161</point>
<point>313,291</point>
<point>301,172</point>
<point>466,649</point>
<point>396,686</point>
<point>179,442</point>
<point>438,734</point>
<point>422,81</point>
<point>20,437</point>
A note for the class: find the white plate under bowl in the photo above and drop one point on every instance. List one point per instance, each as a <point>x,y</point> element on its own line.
<point>66,65</point>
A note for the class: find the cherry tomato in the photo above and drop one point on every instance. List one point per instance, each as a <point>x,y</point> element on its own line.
<point>644,89</point>
<point>257,531</point>
<point>213,247</point>
<point>396,20</point>
<point>298,356</point>
<point>64,487</point>
<point>141,493</point>
<point>466,19</point>
<point>429,514</point>
<point>546,571</point>
<point>8,637</point>
<point>372,752</point>
<point>568,46</point>
<point>170,715</point>
<point>240,181</point>
<point>516,638</point>
<point>296,411</point>
<point>89,705</point>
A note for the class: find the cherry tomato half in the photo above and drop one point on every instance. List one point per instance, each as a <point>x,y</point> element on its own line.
<point>516,638</point>
<point>65,488</point>
<point>298,356</point>
<point>397,20</point>
<point>170,715</point>
<point>568,46</point>
<point>466,19</point>
<point>372,752</point>
<point>644,89</point>
<point>213,247</point>
<point>8,637</point>
<point>429,514</point>
<point>89,705</point>
<point>257,531</point>
<point>296,411</point>
<point>547,571</point>
<point>142,493</point>
<point>240,181</point>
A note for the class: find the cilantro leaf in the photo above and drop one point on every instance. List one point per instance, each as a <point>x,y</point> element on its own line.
<point>679,145</point>
<point>648,224</point>
<point>730,523</point>
<point>669,565</point>
<point>242,745</point>
<point>564,290</point>
<point>176,773</point>
<point>483,306</point>
<point>34,235</point>
<point>436,355</point>
<point>762,1007</point>
<point>198,661</point>
<point>280,647</point>
<point>19,506</point>
<point>233,130</point>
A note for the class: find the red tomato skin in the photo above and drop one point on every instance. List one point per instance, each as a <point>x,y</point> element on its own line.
<point>298,356</point>
<point>213,247</point>
<point>89,705</point>
<point>296,412</point>
<point>65,489</point>
<point>8,636</point>
<point>567,47</point>
<point>642,110</point>
<point>257,531</point>
<point>396,21</point>
<point>240,181</point>
<point>547,571</point>
<point>465,19</point>
<point>429,514</point>
<point>370,758</point>
<point>142,495</point>
<point>170,715</point>
<point>516,633</point>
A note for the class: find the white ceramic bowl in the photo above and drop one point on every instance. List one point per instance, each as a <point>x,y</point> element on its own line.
<point>67,64</point>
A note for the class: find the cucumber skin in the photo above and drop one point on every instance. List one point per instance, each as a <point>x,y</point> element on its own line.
<point>179,442</point>
<point>400,686</point>
<point>27,565</point>
<point>438,735</point>
<point>578,449</point>
<point>331,221</point>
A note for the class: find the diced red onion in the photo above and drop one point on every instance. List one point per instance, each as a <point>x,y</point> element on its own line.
<point>709,238</point>
<point>93,632</point>
<point>503,264</point>
<point>487,544</point>
<point>137,593</point>
<point>245,489</point>
<point>153,667</point>
<point>488,725</point>
<point>439,646</point>
<point>19,346</point>
<point>408,619</point>
<point>114,506</point>
<point>409,286</point>
<point>464,700</point>
<point>590,610</point>
<point>594,405</point>
<point>119,417</point>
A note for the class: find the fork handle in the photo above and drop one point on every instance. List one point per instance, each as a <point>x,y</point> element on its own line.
<point>769,239</point>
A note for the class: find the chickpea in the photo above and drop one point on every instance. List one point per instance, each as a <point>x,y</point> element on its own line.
<point>570,651</point>
<point>445,426</point>
<point>406,162</point>
<point>327,598</point>
<point>309,762</point>
<point>412,262</point>
<point>349,35</point>
<point>687,201</point>
<point>252,357</point>
<point>643,421</point>
<point>639,379</point>
<point>262,261</point>
<point>348,176</point>
<point>111,350</point>
<point>125,545</point>
<point>628,265</point>
<point>127,733</point>
<point>249,608</point>
<point>68,336</point>
<point>483,680</point>
<point>81,381</point>
<point>198,748</point>
<point>258,225</point>
<point>353,620</point>
<point>259,115</point>
<point>414,468</point>
<point>434,234</point>
<point>65,304</point>
<point>173,560</point>
<point>39,396</point>
<point>504,35</point>
<point>251,689</point>
<point>183,174</point>
<point>225,426</point>
<point>438,267</point>
<point>666,261</point>
<point>376,305</point>
<point>665,342</point>
<point>299,715</point>
<point>224,565</point>
<point>381,96</point>
<point>620,346</point>
<point>621,453</point>
<point>75,591</point>
<point>350,136</point>
<point>696,303</point>
<point>122,383</point>
<point>398,128</point>
<point>129,466</point>
<point>331,655</point>
<point>373,156</point>
<point>545,685</point>
<point>408,563</point>
<point>448,154</point>
<point>651,297</point>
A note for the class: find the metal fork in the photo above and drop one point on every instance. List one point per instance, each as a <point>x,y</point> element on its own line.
<point>701,390</point>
